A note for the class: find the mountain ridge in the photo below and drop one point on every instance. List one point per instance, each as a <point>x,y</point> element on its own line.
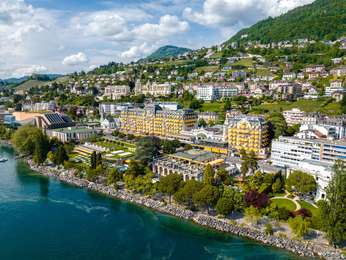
<point>320,20</point>
<point>167,51</point>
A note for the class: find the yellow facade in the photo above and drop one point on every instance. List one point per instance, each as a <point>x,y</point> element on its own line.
<point>250,134</point>
<point>162,123</point>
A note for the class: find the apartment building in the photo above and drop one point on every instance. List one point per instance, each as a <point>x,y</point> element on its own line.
<point>115,92</point>
<point>154,89</point>
<point>293,116</point>
<point>314,156</point>
<point>214,92</point>
<point>335,86</point>
<point>249,133</point>
<point>154,120</point>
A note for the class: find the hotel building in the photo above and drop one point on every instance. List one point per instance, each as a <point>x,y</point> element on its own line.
<point>154,120</point>
<point>249,133</point>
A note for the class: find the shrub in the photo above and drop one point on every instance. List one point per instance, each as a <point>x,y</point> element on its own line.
<point>256,199</point>
<point>269,229</point>
<point>305,213</point>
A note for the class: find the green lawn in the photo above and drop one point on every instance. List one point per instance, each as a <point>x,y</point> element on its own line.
<point>248,62</point>
<point>319,105</point>
<point>284,203</point>
<point>207,68</point>
<point>212,106</point>
<point>308,206</point>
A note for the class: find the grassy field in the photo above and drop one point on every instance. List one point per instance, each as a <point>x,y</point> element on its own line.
<point>308,206</point>
<point>320,105</point>
<point>248,62</point>
<point>284,203</point>
<point>31,84</point>
<point>207,69</point>
<point>212,106</point>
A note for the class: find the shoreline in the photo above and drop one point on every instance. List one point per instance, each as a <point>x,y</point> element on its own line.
<point>301,248</point>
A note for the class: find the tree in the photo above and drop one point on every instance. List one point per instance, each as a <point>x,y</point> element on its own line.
<point>252,214</point>
<point>269,229</point>
<point>25,137</point>
<point>93,163</point>
<point>224,206</point>
<point>170,146</point>
<point>301,182</point>
<point>256,199</point>
<point>277,124</point>
<point>223,176</point>
<point>195,104</point>
<point>202,123</point>
<point>170,184</point>
<point>92,174</point>
<point>278,185</point>
<point>333,210</point>
<point>113,176</point>
<point>60,155</point>
<point>147,148</point>
<point>248,162</point>
<point>299,226</point>
<point>185,194</point>
<point>41,148</point>
<point>292,130</point>
<point>206,197</point>
<point>135,169</point>
<point>208,177</point>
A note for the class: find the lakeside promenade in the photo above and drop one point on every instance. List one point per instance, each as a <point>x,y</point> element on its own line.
<point>302,248</point>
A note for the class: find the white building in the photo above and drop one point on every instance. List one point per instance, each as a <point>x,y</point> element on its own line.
<point>335,86</point>
<point>216,134</point>
<point>214,92</point>
<point>289,76</point>
<point>339,72</point>
<point>154,89</point>
<point>206,92</point>
<point>293,116</point>
<point>316,157</point>
<point>115,92</point>
<point>72,134</point>
<point>110,123</point>
<point>113,108</point>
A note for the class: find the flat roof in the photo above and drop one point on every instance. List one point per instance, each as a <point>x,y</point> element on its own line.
<point>196,155</point>
<point>72,130</point>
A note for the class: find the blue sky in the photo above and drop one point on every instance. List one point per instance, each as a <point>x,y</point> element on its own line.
<point>62,36</point>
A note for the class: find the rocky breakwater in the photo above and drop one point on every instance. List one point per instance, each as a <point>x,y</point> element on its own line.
<point>297,247</point>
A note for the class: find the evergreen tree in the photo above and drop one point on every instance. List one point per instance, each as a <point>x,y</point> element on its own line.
<point>60,155</point>
<point>333,210</point>
<point>93,160</point>
<point>41,147</point>
<point>209,173</point>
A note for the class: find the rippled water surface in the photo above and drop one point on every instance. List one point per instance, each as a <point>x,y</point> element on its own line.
<point>41,218</point>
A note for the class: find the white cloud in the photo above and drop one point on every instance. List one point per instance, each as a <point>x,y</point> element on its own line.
<point>29,70</point>
<point>238,13</point>
<point>136,52</point>
<point>168,25</point>
<point>76,59</point>
<point>18,19</point>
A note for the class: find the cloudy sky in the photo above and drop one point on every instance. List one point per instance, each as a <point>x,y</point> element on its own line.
<point>61,36</point>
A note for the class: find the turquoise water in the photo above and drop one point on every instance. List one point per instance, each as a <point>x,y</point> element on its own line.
<point>41,218</point>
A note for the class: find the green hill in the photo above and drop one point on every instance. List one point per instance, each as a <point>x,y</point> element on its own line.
<point>34,82</point>
<point>31,83</point>
<point>167,51</point>
<point>321,20</point>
